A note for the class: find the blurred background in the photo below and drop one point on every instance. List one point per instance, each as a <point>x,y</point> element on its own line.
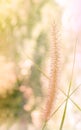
<point>24,49</point>
<point>24,64</point>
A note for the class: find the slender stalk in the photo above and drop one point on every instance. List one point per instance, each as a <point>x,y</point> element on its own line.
<point>71,100</point>
<point>64,113</point>
<point>44,125</point>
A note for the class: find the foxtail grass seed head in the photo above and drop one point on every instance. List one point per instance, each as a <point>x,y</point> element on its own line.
<point>54,72</point>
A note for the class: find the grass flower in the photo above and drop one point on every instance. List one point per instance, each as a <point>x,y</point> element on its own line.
<point>54,74</point>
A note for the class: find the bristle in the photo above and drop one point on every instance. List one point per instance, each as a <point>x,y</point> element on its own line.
<point>53,83</point>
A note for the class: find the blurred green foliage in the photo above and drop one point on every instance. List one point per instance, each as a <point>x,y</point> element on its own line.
<point>19,21</point>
